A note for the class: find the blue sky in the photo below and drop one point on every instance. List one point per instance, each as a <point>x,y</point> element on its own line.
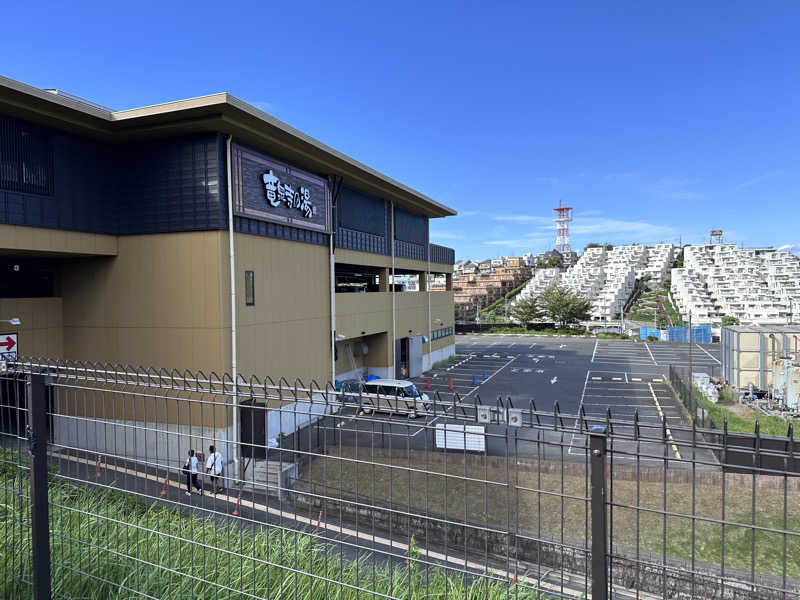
<point>656,122</point>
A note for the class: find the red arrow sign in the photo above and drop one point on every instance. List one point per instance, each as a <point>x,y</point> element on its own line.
<point>9,343</point>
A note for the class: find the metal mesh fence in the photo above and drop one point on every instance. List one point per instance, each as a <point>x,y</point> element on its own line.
<point>170,485</point>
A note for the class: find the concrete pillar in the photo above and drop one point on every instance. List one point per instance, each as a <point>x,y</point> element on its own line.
<point>448,282</point>
<point>383,281</point>
<point>423,282</point>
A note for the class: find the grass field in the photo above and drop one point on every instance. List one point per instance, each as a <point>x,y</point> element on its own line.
<point>643,308</point>
<point>538,502</point>
<point>742,418</point>
<point>107,544</point>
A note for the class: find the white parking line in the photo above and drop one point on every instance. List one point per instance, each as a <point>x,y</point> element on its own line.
<point>580,404</point>
<point>706,351</point>
<point>595,349</point>
<point>489,377</point>
<point>667,431</point>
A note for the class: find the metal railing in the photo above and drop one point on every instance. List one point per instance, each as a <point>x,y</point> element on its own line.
<point>334,498</point>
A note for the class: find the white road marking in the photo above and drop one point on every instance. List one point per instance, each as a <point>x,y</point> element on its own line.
<point>661,414</point>
<point>489,377</point>
<point>651,354</point>
<point>580,405</point>
<point>554,380</point>
<point>595,349</point>
<point>706,351</point>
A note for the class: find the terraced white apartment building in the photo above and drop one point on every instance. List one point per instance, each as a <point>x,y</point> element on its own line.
<point>607,277</point>
<point>756,285</point>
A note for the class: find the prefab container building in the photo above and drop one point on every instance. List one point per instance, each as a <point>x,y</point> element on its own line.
<point>748,352</point>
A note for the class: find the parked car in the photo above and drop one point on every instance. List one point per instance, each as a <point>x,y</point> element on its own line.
<point>386,396</point>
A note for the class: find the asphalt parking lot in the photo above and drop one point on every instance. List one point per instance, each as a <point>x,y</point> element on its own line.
<point>570,376</point>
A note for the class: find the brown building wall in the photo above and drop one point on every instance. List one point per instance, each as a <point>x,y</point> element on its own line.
<point>159,302</point>
<point>19,238</point>
<point>41,333</point>
<point>370,313</point>
<point>287,332</point>
<point>163,300</point>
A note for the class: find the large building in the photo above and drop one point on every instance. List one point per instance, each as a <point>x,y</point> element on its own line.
<point>477,285</point>
<point>121,233</point>
<point>757,286</point>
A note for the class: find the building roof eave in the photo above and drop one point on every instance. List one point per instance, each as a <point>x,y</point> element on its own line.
<point>220,111</point>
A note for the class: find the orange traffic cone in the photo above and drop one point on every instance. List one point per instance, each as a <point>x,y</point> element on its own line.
<point>164,487</point>
<point>450,385</point>
<point>235,512</point>
<point>319,520</point>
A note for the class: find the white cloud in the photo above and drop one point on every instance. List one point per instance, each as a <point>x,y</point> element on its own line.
<point>793,248</point>
<point>523,218</point>
<point>675,188</point>
<point>446,235</point>
<point>615,176</point>
<point>527,240</point>
<point>615,228</point>
<point>520,243</point>
<point>757,179</point>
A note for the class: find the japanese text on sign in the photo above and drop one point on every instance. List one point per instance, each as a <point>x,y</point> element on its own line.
<point>278,192</point>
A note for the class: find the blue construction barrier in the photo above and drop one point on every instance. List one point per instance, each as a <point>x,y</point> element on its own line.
<point>701,334</point>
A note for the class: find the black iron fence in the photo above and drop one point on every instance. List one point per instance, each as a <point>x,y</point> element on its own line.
<point>739,451</point>
<point>321,495</point>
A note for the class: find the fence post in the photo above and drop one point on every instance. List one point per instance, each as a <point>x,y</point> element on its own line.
<point>38,436</point>
<point>598,502</point>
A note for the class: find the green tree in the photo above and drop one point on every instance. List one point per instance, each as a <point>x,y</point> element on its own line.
<point>564,306</point>
<point>554,261</point>
<point>728,320</point>
<point>526,310</point>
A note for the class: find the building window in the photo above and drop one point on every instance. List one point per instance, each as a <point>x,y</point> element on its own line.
<point>249,288</point>
<point>438,334</point>
<point>26,158</point>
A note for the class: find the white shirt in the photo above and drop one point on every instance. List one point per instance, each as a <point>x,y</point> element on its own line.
<point>193,464</point>
<point>215,460</point>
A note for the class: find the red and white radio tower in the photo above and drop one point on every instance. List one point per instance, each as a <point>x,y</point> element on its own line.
<point>563,216</point>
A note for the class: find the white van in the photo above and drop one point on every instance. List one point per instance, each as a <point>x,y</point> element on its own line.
<point>393,396</point>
